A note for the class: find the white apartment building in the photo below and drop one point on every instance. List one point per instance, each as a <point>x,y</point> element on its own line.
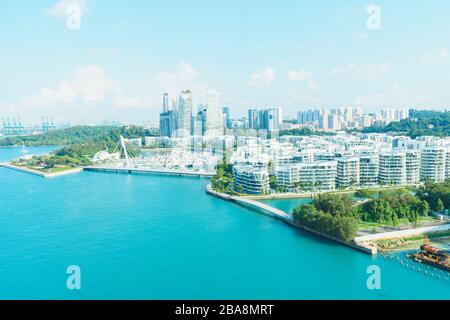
<point>368,170</point>
<point>392,170</point>
<point>447,164</point>
<point>433,164</point>
<point>347,173</point>
<point>251,180</point>
<point>413,163</point>
<point>288,177</point>
<point>316,176</point>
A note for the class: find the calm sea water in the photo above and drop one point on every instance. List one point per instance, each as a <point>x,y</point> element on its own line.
<point>152,237</point>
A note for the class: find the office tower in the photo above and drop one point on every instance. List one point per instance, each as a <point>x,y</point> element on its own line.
<point>167,102</point>
<point>348,172</point>
<point>226,112</point>
<point>392,170</point>
<point>200,122</point>
<point>184,114</point>
<point>433,164</point>
<point>253,119</point>
<point>167,123</point>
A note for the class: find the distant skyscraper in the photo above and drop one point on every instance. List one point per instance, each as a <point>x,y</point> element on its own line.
<point>253,119</point>
<point>214,123</point>
<point>184,114</point>
<point>167,102</point>
<point>226,112</point>
<point>265,119</point>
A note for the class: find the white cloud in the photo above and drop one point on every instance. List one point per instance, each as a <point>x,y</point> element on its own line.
<point>437,56</point>
<point>302,76</point>
<point>366,71</point>
<point>395,97</point>
<point>263,78</point>
<point>313,86</point>
<point>88,85</point>
<point>175,81</point>
<point>129,102</point>
<point>59,8</point>
<point>299,75</point>
<point>301,97</point>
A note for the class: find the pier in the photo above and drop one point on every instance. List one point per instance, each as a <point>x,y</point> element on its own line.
<point>129,170</point>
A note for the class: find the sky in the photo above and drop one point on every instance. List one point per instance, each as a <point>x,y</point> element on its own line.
<point>115,61</point>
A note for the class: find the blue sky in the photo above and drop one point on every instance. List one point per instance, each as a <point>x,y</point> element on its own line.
<point>290,54</point>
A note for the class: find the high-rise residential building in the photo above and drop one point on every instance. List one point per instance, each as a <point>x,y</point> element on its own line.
<point>265,119</point>
<point>392,169</point>
<point>368,170</point>
<point>433,164</point>
<point>184,114</point>
<point>348,172</point>
<point>323,120</point>
<point>447,164</point>
<point>274,119</point>
<point>333,122</point>
<point>413,160</point>
<point>214,124</point>
<point>308,117</point>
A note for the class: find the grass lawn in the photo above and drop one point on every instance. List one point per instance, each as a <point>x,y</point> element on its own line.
<point>401,222</point>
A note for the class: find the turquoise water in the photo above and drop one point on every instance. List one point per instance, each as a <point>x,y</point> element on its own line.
<point>154,237</point>
<point>287,205</point>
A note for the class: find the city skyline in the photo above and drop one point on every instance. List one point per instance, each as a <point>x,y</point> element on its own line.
<point>118,63</point>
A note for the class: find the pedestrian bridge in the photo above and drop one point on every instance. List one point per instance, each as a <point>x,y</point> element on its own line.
<point>262,206</point>
<point>251,204</point>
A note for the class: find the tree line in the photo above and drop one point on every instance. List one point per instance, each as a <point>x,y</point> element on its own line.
<point>420,123</point>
